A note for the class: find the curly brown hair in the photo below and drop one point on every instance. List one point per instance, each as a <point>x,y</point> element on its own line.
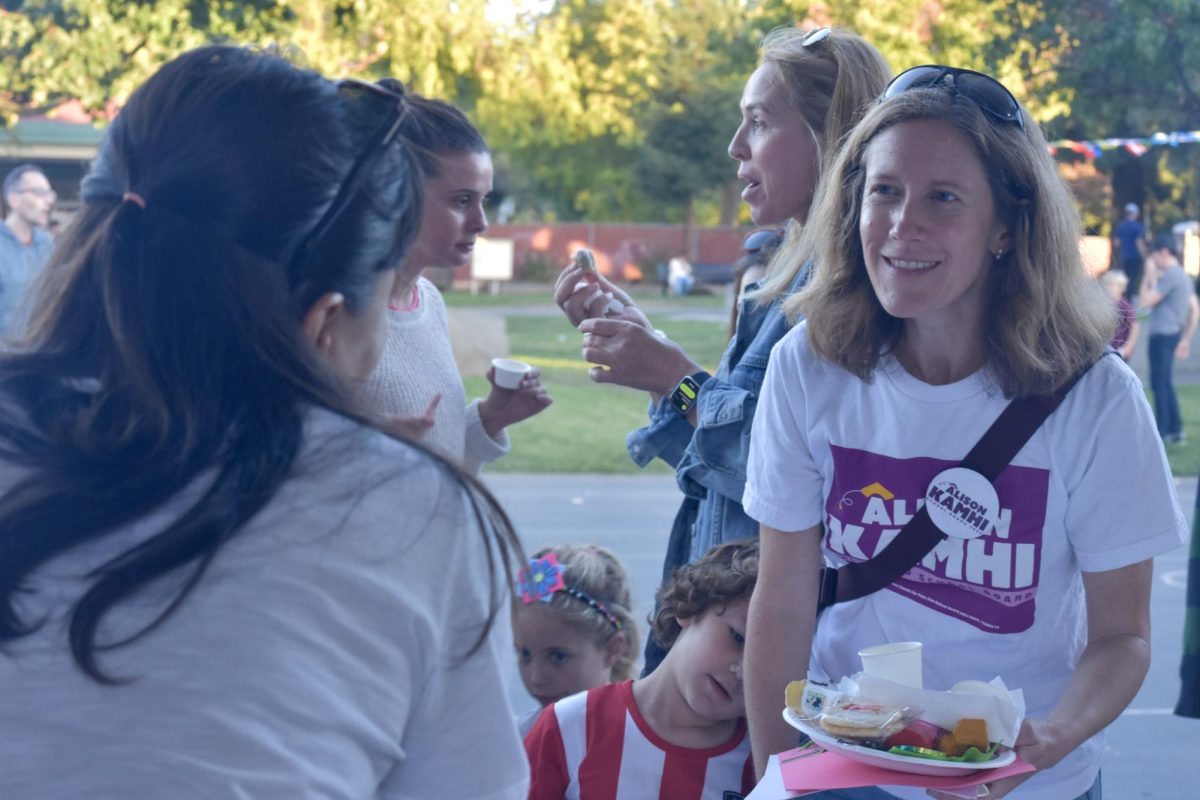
<point>723,575</point>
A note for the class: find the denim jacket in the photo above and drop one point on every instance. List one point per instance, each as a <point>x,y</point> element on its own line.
<point>710,459</point>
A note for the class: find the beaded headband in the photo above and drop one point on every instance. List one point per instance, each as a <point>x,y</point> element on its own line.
<point>543,578</point>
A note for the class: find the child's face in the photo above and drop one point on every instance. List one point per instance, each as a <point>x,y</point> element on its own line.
<point>707,660</point>
<point>555,659</point>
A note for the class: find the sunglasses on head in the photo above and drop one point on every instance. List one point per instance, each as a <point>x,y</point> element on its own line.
<point>819,35</point>
<point>758,240</point>
<point>983,90</point>
<point>390,108</point>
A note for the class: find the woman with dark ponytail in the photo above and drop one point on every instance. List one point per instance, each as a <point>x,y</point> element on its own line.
<point>205,590</point>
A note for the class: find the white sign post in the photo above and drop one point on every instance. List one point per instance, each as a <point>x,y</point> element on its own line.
<point>491,261</point>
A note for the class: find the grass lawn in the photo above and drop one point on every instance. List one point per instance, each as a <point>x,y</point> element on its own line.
<point>1185,458</point>
<point>584,431</point>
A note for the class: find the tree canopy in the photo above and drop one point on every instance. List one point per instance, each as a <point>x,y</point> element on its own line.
<point>610,109</point>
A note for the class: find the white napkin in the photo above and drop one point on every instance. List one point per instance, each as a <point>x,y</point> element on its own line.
<point>945,709</point>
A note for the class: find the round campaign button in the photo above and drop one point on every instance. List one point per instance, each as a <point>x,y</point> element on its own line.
<point>962,503</point>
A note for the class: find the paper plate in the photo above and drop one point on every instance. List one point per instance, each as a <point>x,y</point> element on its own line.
<point>881,758</point>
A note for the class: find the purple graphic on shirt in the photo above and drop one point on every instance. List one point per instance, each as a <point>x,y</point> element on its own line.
<point>989,582</point>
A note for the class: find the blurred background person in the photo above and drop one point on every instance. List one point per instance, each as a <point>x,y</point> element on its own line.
<point>1174,312</point>
<point>680,276</point>
<point>757,250</point>
<point>25,240</point>
<point>1125,336</point>
<point>1129,249</point>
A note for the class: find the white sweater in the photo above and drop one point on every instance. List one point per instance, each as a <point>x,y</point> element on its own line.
<point>417,364</point>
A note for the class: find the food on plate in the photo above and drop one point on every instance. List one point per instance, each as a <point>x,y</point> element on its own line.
<point>967,733</point>
<point>793,696</point>
<point>918,733</point>
<point>863,721</point>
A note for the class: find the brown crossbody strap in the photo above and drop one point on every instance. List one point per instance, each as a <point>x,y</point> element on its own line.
<point>990,455</point>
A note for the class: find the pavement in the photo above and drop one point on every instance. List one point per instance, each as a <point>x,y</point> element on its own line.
<point>1149,752</point>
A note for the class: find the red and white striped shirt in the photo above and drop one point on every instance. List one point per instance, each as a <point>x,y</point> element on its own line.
<point>596,745</point>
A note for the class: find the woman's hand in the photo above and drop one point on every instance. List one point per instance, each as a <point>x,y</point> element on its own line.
<point>582,294</point>
<point>412,426</point>
<point>635,356</point>
<point>504,407</point>
<point>1039,743</point>
<point>1108,675</point>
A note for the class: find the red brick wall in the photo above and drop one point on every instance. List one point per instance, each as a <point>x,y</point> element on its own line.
<point>618,247</point>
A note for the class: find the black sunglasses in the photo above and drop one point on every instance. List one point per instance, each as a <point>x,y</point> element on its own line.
<point>758,240</point>
<point>982,90</point>
<point>394,108</point>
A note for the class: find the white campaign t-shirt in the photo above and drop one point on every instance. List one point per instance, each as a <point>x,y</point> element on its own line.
<point>325,653</point>
<point>1091,491</point>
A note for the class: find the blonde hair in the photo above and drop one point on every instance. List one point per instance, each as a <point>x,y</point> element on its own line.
<point>1045,320</point>
<point>1114,277</point>
<point>830,83</point>
<point>598,573</point>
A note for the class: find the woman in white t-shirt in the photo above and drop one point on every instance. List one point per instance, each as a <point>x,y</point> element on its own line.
<point>948,282</point>
<point>205,589</point>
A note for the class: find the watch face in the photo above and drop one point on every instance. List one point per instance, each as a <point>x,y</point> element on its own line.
<point>684,396</point>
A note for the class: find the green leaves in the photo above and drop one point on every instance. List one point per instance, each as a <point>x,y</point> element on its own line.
<point>621,108</point>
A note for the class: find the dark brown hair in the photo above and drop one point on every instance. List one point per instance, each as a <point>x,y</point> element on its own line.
<point>165,345</point>
<point>723,575</point>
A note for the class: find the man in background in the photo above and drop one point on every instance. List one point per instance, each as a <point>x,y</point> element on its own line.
<point>25,242</point>
<point>1174,312</point>
<point>1130,241</point>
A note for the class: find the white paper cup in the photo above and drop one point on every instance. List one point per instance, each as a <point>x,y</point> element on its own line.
<point>509,372</point>
<point>899,662</point>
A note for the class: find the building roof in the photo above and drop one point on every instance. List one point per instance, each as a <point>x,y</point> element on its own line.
<point>43,139</point>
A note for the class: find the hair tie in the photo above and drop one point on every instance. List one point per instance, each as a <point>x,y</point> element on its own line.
<point>543,577</point>
<point>135,198</point>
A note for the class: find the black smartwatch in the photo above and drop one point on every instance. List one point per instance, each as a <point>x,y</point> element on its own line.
<point>687,390</point>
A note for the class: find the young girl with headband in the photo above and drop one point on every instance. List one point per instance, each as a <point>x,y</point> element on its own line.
<point>572,625</point>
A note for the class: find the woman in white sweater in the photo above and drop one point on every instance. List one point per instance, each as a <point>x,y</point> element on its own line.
<point>417,385</point>
<point>205,590</point>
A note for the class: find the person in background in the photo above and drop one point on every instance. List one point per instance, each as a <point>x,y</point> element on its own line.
<point>572,624</point>
<point>806,94</point>
<point>417,387</point>
<point>25,241</point>
<point>1189,666</point>
<point>679,733</point>
<point>206,590</point>
<point>950,282</point>
<point>1129,245</point>
<point>1174,312</point>
<point>680,276</point>
<point>757,251</point>
<point>1125,336</point>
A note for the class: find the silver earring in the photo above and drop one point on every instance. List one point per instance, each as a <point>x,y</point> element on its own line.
<point>998,255</point>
